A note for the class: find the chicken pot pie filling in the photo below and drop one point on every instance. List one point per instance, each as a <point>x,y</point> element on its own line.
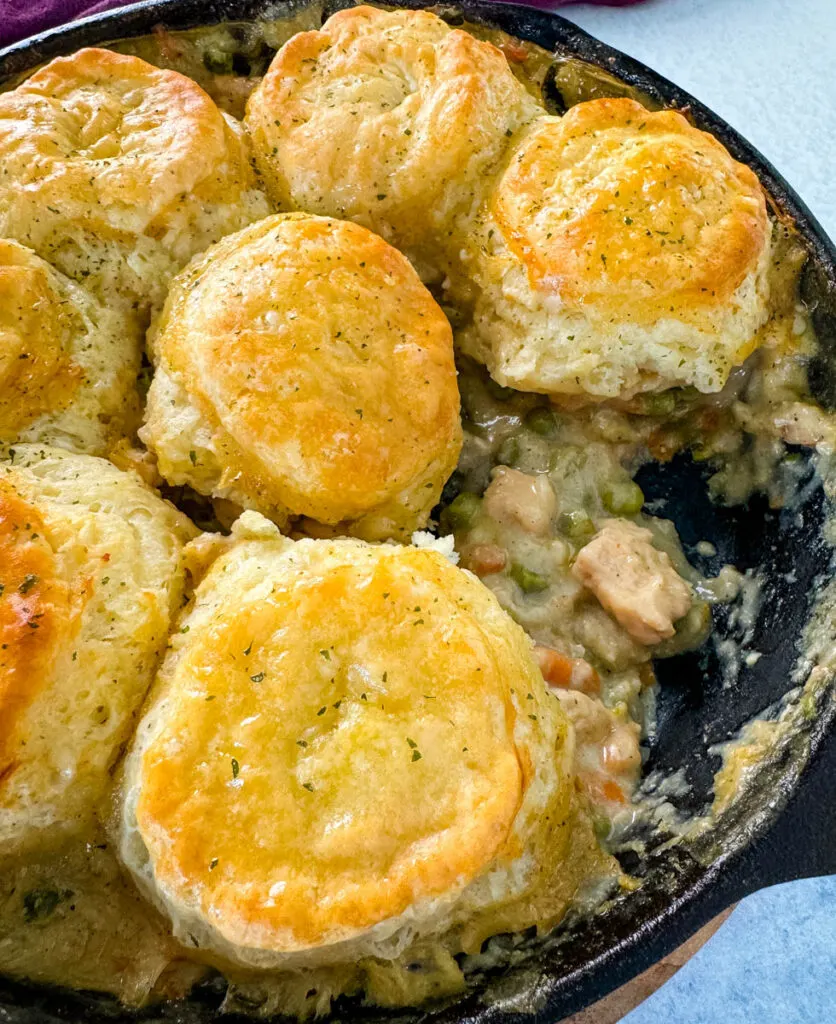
<point>358,763</point>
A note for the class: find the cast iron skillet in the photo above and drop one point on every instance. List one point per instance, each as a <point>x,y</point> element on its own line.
<point>785,827</point>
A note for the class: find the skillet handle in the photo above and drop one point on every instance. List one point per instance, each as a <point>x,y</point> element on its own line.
<point>802,842</point>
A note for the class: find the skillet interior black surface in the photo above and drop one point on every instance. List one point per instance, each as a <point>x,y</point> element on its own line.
<point>785,826</point>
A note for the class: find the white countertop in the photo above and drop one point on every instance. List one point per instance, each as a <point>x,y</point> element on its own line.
<point>767,66</point>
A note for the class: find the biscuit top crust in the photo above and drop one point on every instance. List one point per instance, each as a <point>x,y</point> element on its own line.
<point>115,137</point>
<point>35,616</point>
<point>390,118</point>
<point>316,347</point>
<point>37,372</point>
<point>631,215</point>
<point>344,733</point>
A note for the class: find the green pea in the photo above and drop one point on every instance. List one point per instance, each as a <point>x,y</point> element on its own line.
<point>528,581</point>
<point>567,459</point>
<point>542,421</point>
<point>497,391</point>
<point>623,498</point>
<point>462,511</point>
<point>661,404</point>
<point>576,524</point>
<point>686,395</point>
<point>508,453</point>
<point>602,826</point>
<point>41,903</point>
<point>218,62</point>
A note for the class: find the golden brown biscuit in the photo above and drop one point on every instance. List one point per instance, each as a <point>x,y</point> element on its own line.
<point>348,746</point>
<point>68,363</point>
<point>389,118</point>
<point>91,573</point>
<point>304,370</point>
<point>622,251</point>
<point>117,172</point>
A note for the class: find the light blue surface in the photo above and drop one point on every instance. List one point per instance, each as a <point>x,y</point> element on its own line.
<point>769,68</point>
<point>772,962</point>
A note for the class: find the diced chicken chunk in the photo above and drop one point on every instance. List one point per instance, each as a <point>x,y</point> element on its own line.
<point>614,743</point>
<point>517,498</point>
<point>635,582</point>
<point>800,423</point>
<point>607,756</point>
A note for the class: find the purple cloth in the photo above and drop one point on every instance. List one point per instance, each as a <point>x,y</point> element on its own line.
<point>22,18</point>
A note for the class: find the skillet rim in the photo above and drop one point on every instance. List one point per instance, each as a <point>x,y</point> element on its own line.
<point>785,839</point>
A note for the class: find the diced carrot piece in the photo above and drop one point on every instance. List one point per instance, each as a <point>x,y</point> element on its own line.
<point>613,792</point>
<point>567,673</point>
<point>600,790</point>
<point>585,678</point>
<point>514,53</point>
<point>709,419</point>
<point>556,667</point>
<point>663,444</point>
<point>647,675</point>
<point>168,44</point>
<point>485,559</point>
